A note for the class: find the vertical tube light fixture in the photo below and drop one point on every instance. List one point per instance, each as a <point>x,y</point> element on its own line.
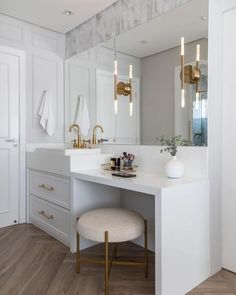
<point>131,98</point>
<point>115,79</point>
<point>122,88</point>
<point>182,74</point>
<point>197,67</point>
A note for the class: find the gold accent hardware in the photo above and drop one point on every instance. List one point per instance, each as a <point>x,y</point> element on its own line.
<point>85,142</point>
<point>102,140</point>
<point>106,248</point>
<point>49,217</point>
<point>192,74</point>
<point>74,143</point>
<point>49,189</point>
<point>124,88</point>
<point>79,142</point>
<point>94,139</point>
<point>189,74</point>
<point>109,262</point>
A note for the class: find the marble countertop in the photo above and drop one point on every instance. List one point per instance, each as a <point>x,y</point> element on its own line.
<point>149,183</point>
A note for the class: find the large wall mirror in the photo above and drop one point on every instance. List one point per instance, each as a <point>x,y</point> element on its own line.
<point>153,49</point>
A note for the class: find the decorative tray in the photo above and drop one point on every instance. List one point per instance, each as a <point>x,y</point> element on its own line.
<point>107,167</point>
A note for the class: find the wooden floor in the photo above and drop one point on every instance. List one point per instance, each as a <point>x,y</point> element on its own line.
<point>33,263</point>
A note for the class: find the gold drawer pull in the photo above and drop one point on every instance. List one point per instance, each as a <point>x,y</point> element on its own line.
<point>47,188</point>
<point>45,215</point>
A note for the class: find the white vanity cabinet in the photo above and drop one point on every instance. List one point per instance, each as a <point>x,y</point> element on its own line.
<point>49,203</point>
<point>49,186</point>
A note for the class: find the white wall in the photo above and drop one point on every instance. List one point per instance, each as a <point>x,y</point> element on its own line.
<point>228,139</point>
<point>158,90</point>
<point>45,52</point>
<point>215,129</point>
<point>149,158</point>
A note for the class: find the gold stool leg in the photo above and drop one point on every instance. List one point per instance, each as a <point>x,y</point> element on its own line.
<point>145,248</point>
<point>78,254</point>
<point>106,265</point>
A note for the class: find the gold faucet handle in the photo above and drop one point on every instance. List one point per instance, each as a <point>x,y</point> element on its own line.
<point>102,140</point>
<point>74,143</point>
<point>85,142</point>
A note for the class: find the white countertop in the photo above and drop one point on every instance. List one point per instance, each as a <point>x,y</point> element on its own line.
<point>149,183</point>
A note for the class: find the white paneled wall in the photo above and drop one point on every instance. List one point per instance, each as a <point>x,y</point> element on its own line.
<point>45,52</point>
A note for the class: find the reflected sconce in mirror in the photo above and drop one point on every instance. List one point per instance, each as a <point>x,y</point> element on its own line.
<point>115,85</point>
<point>190,75</point>
<point>125,88</point>
<point>122,88</point>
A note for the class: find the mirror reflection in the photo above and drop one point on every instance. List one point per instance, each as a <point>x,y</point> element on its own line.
<point>134,86</point>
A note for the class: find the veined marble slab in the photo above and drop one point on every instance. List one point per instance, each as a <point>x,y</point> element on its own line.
<point>120,17</point>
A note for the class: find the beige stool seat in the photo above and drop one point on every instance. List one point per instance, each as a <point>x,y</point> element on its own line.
<point>123,225</point>
<point>111,225</point>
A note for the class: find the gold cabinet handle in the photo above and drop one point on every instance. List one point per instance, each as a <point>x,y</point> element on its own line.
<point>47,188</point>
<point>45,215</point>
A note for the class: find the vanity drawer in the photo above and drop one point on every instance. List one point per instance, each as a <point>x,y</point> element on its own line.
<point>51,188</point>
<point>50,218</point>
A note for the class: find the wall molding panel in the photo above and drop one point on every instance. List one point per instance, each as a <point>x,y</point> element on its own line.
<point>120,17</point>
<point>45,54</point>
<point>44,77</point>
<point>44,42</point>
<point>11,32</point>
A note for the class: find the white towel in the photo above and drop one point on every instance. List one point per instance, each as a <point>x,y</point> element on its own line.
<point>47,120</point>
<point>82,115</point>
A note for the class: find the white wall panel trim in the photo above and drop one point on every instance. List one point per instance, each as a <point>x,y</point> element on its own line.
<point>11,32</point>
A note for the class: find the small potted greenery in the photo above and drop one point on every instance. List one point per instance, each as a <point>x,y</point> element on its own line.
<point>174,168</point>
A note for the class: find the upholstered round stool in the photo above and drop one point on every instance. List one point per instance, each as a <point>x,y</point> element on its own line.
<point>111,225</point>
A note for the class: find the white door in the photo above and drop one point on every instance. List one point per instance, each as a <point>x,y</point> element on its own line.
<point>9,137</point>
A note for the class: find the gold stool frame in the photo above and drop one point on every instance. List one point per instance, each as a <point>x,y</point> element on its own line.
<point>108,262</point>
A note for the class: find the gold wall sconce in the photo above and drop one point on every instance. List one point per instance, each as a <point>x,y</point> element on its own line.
<point>190,74</point>
<point>125,88</point>
<point>122,88</point>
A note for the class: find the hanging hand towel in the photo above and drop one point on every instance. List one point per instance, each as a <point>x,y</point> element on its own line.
<point>82,115</point>
<point>46,114</point>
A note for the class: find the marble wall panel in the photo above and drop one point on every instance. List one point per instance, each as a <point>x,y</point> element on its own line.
<point>120,17</point>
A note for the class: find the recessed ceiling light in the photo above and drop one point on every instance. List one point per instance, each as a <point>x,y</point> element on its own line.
<point>68,12</point>
<point>143,41</point>
<point>203,17</point>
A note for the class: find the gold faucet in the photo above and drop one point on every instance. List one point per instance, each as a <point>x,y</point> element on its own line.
<point>79,142</point>
<point>94,139</point>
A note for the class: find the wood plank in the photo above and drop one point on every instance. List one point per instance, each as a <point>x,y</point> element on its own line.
<point>34,263</point>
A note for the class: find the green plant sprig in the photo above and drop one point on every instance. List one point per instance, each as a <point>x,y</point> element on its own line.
<point>172,144</point>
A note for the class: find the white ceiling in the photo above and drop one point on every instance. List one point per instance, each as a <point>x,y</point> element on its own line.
<point>49,13</point>
<point>164,32</point>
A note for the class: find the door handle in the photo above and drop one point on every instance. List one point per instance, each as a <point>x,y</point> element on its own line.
<point>15,144</point>
<point>10,140</point>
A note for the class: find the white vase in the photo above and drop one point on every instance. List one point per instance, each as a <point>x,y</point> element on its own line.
<point>174,168</point>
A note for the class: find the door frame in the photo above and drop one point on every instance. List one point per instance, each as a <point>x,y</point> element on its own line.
<point>22,129</point>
